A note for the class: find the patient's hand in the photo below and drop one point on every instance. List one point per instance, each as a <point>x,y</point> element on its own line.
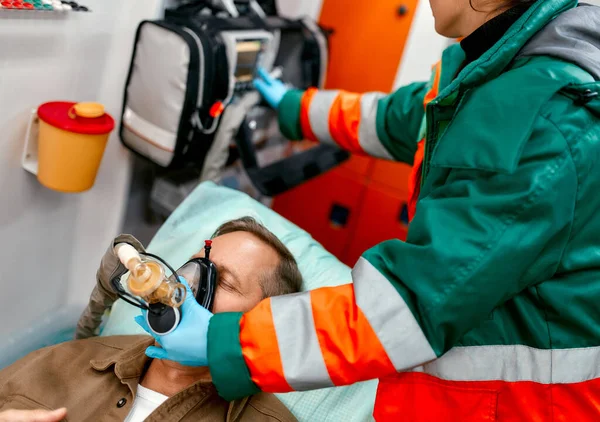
<point>33,415</point>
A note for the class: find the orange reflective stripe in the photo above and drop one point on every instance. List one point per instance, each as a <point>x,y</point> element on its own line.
<point>414,181</point>
<point>261,349</point>
<point>344,121</point>
<point>350,347</point>
<point>304,118</point>
<point>435,88</point>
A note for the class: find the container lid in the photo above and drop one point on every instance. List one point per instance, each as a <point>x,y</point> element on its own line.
<point>86,118</point>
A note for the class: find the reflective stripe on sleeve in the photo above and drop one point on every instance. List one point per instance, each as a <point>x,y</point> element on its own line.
<point>303,363</point>
<point>367,132</point>
<point>350,348</point>
<point>304,117</point>
<point>260,349</point>
<point>318,115</point>
<point>344,120</point>
<point>391,319</point>
<point>514,363</point>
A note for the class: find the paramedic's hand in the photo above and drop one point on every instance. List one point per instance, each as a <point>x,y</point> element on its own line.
<point>273,90</point>
<point>33,415</point>
<point>187,344</point>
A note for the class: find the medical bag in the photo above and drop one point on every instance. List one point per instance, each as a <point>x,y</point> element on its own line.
<point>187,68</point>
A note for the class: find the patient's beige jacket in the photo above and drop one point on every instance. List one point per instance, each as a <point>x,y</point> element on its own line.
<point>97,379</point>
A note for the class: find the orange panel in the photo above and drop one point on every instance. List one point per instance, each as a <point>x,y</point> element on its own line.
<point>392,174</point>
<point>367,43</point>
<point>359,165</point>
<point>326,207</point>
<point>380,220</point>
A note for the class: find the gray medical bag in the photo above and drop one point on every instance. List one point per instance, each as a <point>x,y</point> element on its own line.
<point>187,68</point>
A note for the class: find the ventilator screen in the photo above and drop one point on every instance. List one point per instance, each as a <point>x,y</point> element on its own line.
<point>248,52</point>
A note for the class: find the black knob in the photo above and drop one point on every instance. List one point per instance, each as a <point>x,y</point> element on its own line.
<point>402,10</point>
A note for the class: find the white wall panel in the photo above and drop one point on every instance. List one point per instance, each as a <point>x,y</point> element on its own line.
<point>423,49</point>
<point>52,242</point>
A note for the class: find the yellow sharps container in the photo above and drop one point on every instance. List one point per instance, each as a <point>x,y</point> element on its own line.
<point>72,140</point>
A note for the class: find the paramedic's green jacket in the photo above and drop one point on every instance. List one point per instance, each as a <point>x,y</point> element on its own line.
<point>491,306</point>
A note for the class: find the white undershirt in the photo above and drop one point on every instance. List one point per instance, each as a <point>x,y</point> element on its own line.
<point>146,401</point>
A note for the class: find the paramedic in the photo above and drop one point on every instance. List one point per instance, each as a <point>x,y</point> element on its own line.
<point>489,310</point>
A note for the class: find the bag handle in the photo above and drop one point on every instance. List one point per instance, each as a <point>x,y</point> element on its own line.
<point>193,8</point>
<point>231,7</point>
<point>252,5</point>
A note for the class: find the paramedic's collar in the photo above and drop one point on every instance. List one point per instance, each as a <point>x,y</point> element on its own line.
<point>484,38</point>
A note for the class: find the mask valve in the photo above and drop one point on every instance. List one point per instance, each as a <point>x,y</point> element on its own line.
<point>147,278</point>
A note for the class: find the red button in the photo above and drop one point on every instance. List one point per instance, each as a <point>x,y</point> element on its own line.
<point>7,4</point>
<point>17,6</point>
<point>15,2</point>
<point>217,109</point>
<point>28,6</point>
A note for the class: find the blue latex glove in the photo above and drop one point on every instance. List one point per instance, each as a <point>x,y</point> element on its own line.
<point>187,344</point>
<point>270,88</point>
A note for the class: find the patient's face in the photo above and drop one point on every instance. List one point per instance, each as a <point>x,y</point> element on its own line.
<point>242,260</point>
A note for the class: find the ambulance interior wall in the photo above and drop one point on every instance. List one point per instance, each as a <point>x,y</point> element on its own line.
<point>52,242</point>
<point>424,46</point>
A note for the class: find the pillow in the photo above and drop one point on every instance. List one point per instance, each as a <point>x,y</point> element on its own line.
<point>183,235</point>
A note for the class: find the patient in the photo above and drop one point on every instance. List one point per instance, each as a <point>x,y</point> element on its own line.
<point>110,378</point>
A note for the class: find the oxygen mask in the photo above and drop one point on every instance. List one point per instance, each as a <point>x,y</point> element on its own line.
<point>154,286</point>
<point>148,279</point>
